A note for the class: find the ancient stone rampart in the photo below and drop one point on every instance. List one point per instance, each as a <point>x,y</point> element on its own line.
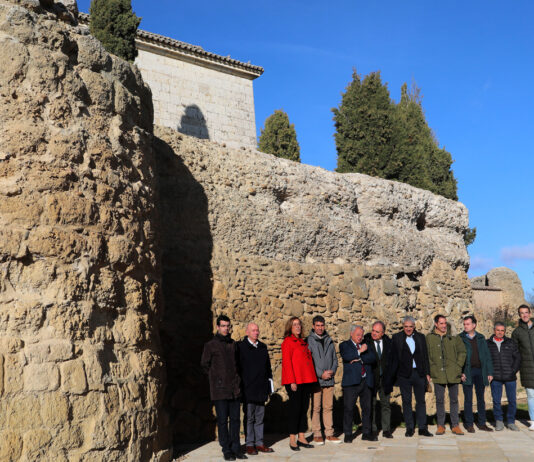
<point>81,374</point>
<point>118,248</point>
<point>276,239</point>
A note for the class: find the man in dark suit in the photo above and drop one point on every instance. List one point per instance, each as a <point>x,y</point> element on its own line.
<point>256,377</point>
<point>411,367</point>
<point>357,382</point>
<point>380,344</point>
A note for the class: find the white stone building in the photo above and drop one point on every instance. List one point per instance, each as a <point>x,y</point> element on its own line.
<point>197,92</point>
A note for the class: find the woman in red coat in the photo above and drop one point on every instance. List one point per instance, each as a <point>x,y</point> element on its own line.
<point>298,373</point>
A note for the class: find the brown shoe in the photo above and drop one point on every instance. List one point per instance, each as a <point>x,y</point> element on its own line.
<point>441,430</point>
<point>457,430</point>
<point>484,428</point>
<point>251,451</point>
<point>264,449</point>
<point>470,429</point>
<point>333,439</point>
<point>318,441</point>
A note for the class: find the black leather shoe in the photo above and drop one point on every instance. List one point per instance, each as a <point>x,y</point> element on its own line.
<point>294,448</point>
<point>424,432</point>
<point>409,432</point>
<point>229,457</point>
<point>387,434</point>
<point>241,456</point>
<point>347,439</point>
<point>369,437</point>
<point>484,428</point>
<point>305,445</point>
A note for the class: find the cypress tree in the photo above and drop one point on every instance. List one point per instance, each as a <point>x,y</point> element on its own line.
<point>418,160</point>
<point>115,24</point>
<point>279,137</point>
<point>364,126</point>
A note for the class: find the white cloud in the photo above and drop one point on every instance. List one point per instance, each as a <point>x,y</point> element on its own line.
<point>479,263</point>
<point>514,253</point>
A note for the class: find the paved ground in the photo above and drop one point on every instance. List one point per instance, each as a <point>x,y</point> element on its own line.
<point>504,446</point>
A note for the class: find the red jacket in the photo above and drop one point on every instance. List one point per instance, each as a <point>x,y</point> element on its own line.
<point>297,362</point>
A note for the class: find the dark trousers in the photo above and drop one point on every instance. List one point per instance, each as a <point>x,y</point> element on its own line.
<point>384,408</point>
<point>253,415</point>
<point>350,395</point>
<point>478,382</point>
<point>228,409</point>
<point>496,394</point>
<point>299,401</point>
<point>439,389</point>
<point>418,384</point>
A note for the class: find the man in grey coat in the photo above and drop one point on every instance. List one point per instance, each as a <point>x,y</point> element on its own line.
<point>325,361</point>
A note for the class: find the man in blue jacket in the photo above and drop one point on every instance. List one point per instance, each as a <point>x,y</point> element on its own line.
<point>357,382</point>
<point>478,371</point>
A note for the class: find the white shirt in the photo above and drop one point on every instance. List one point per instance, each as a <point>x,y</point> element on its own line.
<point>377,344</point>
<point>255,345</point>
<point>411,345</point>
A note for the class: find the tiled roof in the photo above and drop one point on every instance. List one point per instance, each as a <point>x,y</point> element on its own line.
<point>187,48</point>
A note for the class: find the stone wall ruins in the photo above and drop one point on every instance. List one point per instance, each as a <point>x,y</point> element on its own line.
<point>277,239</point>
<point>81,374</point>
<point>104,225</point>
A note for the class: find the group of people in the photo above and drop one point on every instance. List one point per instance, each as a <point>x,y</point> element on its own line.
<point>373,363</point>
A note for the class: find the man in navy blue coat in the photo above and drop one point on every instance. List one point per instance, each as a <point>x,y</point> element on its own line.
<point>357,382</point>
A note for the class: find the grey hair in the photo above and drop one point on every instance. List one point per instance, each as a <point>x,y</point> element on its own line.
<point>408,319</point>
<point>381,323</point>
<point>499,324</point>
<point>354,327</point>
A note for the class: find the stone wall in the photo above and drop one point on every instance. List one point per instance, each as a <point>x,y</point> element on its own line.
<point>208,103</point>
<point>81,372</point>
<point>263,239</point>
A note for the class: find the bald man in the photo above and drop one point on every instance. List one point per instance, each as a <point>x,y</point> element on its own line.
<point>256,376</point>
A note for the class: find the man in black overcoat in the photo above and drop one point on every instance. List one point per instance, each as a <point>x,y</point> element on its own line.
<point>256,376</point>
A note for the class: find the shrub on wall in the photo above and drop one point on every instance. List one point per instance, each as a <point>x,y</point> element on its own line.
<point>115,24</point>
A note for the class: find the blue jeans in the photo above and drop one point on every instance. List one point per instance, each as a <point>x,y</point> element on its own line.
<point>478,382</point>
<point>530,402</point>
<point>496,394</point>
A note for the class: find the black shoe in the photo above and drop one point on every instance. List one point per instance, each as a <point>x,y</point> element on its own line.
<point>347,439</point>
<point>387,434</point>
<point>229,457</point>
<point>241,456</point>
<point>409,432</point>
<point>294,448</point>
<point>424,432</point>
<point>484,428</point>
<point>305,445</point>
<point>369,437</point>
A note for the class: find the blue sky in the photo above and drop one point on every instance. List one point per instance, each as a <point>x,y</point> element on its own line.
<point>473,61</point>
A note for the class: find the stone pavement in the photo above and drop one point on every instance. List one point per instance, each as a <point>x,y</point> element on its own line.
<point>504,446</point>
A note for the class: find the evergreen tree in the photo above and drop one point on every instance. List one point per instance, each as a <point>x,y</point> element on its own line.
<point>418,160</point>
<point>364,127</point>
<point>279,137</point>
<point>115,24</point>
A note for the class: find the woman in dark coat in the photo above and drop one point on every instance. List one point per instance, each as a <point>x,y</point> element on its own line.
<point>298,375</point>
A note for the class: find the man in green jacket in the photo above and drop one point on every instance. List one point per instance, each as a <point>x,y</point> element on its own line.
<point>523,335</point>
<point>446,355</point>
<point>478,371</point>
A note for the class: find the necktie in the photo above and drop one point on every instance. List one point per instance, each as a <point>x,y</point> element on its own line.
<point>379,351</point>
<point>363,368</point>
